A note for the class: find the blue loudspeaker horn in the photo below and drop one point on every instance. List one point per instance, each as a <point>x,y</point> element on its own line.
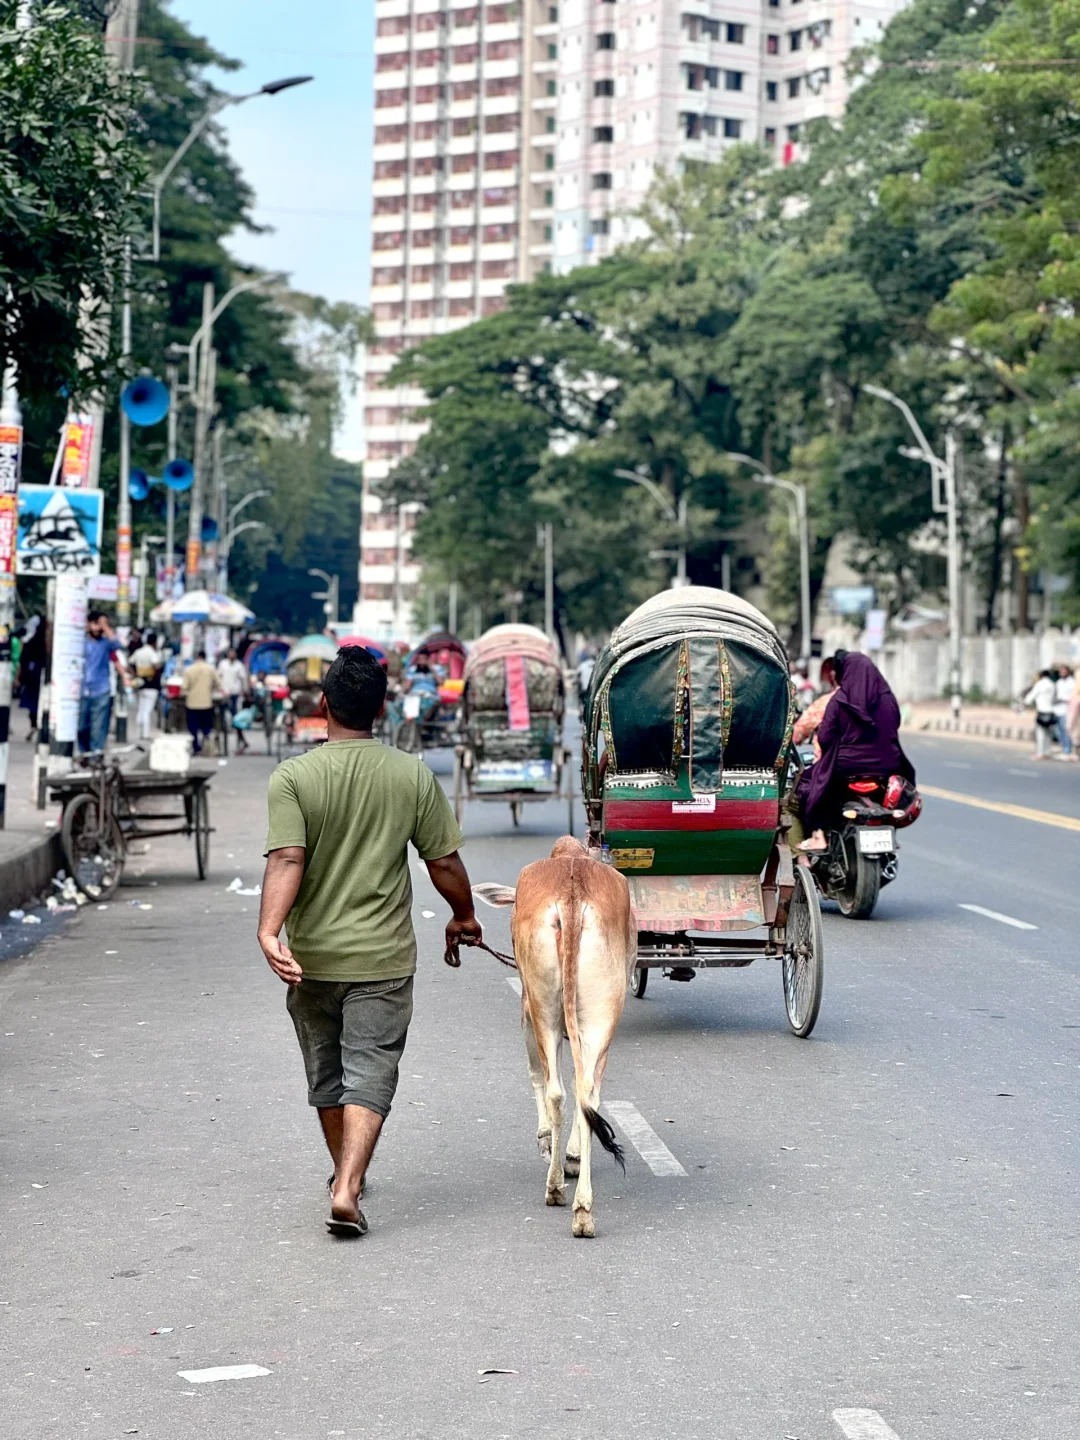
<point>179,475</point>
<point>138,485</point>
<point>145,401</point>
<point>209,529</point>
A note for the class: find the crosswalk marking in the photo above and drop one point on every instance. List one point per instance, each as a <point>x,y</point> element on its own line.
<point>643,1137</point>
<point>864,1425</point>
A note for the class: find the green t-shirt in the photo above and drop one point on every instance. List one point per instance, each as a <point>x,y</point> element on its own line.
<point>355,806</point>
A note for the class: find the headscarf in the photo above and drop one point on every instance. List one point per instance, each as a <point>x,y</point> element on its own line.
<point>863,688</point>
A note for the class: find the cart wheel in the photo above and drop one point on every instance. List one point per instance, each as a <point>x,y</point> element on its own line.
<point>459,789</point>
<point>639,982</point>
<point>516,809</point>
<point>408,737</point>
<point>202,831</point>
<point>804,958</point>
<point>94,853</point>
<point>570,803</point>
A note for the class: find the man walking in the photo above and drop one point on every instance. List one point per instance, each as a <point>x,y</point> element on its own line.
<point>337,878</point>
<point>96,700</point>
<point>200,684</point>
<point>233,679</point>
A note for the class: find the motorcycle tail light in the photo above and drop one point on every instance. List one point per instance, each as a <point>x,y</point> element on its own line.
<point>863,787</point>
<point>894,792</point>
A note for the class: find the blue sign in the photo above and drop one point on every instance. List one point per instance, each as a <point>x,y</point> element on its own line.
<point>59,531</point>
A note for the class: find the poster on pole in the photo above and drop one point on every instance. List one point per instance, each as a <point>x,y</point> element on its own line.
<point>59,531</point>
<point>77,452</point>
<point>10,462</point>
<point>69,648</point>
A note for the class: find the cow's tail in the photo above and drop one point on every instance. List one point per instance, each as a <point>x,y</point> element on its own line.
<point>568,928</point>
<point>605,1134</point>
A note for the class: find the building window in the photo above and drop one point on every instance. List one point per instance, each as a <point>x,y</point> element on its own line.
<point>549,125</point>
<point>552,87</point>
<point>423,274</point>
<point>465,89</point>
<point>459,234</point>
<point>770,135</point>
<point>547,233</point>
<point>497,269</point>
<point>795,40</point>
<point>736,34</point>
<point>692,125</point>
<point>464,54</point>
<point>388,204</point>
<point>549,197</point>
<point>497,124</point>
<point>491,305</point>
<point>500,85</point>
<point>732,129</point>
<point>461,305</point>
<point>553,14</point>
<point>501,160</point>
<point>502,49</point>
<point>774,4</point>
<point>605,40</point>
<point>426,94</point>
<point>426,130</point>
<point>553,52</point>
<point>397,25</point>
<point>387,240</point>
<point>772,44</point>
<point>793,133</point>
<point>465,17</point>
<point>549,161</point>
<point>794,85</point>
<point>384,99</point>
<point>601,180</point>
<point>712,76</point>
<point>605,88</point>
<point>462,164</point>
<point>387,275</point>
<point>600,226</point>
<point>770,90</point>
<point>733,79</point>
<point>694,77</point>
<point>603,134</point>
<point>708,123</point>
<point>462,270</point>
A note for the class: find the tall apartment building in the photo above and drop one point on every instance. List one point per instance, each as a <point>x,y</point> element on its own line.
<point>465,96</point>
<point>646,84</point>
<point>521,134</point>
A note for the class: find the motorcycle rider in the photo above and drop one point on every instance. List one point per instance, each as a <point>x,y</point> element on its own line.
<point>858,736</point>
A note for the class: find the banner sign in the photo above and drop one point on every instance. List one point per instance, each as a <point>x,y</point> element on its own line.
<point>59,531</point>
<point>69,648</point>
<point>77,452</point>
<point>107,587</point>
<point>10,460</point>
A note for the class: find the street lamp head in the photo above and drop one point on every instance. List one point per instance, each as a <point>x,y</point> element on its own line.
<point>272,87</point>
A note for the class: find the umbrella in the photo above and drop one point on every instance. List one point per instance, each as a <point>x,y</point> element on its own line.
<point>207,607</point>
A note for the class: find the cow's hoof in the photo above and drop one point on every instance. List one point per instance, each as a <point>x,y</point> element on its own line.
<point>556,1197</point>
<point>573,1165</point>
<point>584,1228</point>
<point>543,1144</point>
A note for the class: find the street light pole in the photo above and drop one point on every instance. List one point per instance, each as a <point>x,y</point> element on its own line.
<point>679,517</point>
<point>943,478</point>
<point>766,477</point>
<point>330,596</point>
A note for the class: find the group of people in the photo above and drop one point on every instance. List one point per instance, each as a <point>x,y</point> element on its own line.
<point>1055,698</point>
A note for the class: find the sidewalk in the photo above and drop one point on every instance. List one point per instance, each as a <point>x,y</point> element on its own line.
<point>30,842</point>
<point>985,722</point>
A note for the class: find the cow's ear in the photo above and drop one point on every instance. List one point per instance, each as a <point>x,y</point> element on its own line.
<point>495,895</point>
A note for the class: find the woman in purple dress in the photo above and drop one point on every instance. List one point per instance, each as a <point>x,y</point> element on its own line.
<point>858,736</point>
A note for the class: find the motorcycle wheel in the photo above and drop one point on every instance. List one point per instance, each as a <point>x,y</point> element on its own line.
<point>862,881</point>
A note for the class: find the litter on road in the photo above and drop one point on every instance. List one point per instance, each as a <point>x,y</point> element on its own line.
<point>222,1372</point>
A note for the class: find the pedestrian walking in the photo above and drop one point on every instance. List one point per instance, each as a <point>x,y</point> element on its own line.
<point>200,684</point>
<point>1064,689</point>
<point>32,661</point>
<point>148,662</point>
<point>1041,697</point>
<point>96,701</point>
<point>342,818</point>
<point>232,680</point>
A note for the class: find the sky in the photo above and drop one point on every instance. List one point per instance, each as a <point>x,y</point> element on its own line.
<point>307,152</point>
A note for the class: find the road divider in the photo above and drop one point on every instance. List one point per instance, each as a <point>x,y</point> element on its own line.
<point>1001,807</point>
<point>644,1138</point>
<point>999,917</point>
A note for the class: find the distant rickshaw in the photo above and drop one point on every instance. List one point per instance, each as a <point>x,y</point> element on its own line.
<point>265,659</point>
<point>305,670</point>
<point>511,747</point>
<point>427,711</point>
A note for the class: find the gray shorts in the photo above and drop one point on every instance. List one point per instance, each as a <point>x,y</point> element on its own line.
<point>352,1035</point>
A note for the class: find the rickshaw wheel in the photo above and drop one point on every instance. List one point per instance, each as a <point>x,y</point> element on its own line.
<point>202,831</point>
<point>459,788</point>
<point>408,737</point>
<point>516,810</point>
<point>804,960</point>
<point>639,982</point>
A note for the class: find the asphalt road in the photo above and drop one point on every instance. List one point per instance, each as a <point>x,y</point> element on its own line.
<point>875,1234</point>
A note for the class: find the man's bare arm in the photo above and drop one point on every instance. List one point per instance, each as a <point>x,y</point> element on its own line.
<point>451,880</point>
<point>281,885</point>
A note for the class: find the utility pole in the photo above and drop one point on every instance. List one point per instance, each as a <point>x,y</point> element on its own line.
<point>546,539</point>
<point>452,605</point>
<point>203,391</point>
<point>10,460</point>
<point>172,373</point>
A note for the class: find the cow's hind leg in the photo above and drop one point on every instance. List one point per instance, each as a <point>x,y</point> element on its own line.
<point>573,1146</point>
<point>548,1044</point>
<point>536,1079</point>
<point>590,1122</point>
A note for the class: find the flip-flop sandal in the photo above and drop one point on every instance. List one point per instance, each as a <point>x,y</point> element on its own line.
<point>330,1186</point>
<point>348,1229</point>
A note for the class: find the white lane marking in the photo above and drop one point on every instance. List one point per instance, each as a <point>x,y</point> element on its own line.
<point>864,1425</point>
<point>222,1372</point>
<point>514,983</point>
<point>643,1137</point>
<point>1027,774</point>
<point>957,765</point>
<point>999,917</point>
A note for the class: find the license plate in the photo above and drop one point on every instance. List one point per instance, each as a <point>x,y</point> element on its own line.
<point>876,842</point>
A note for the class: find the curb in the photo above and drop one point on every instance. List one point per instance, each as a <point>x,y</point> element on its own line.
<point>28,873</point>
<point>977,729</point>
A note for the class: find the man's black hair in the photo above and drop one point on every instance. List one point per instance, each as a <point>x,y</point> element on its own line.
<point>355,688</point>
<point>201,655</point>
<point>93,616</point>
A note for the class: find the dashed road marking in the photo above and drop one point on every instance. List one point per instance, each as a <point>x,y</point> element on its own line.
<point>958,765</point>
<point>222,1372</point>
<point>999,917</point>
<point>514,983</point>
<point>643,1137</point>
<point>1027,774</point>
<point>999,807</point>
<point>864,1425</point>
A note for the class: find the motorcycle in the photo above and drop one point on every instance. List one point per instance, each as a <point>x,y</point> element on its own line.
<point>861,852</point>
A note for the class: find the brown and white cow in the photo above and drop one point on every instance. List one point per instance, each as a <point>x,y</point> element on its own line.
<point>575,942</point>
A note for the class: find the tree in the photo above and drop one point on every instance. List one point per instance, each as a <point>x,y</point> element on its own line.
<point>70,178</point>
